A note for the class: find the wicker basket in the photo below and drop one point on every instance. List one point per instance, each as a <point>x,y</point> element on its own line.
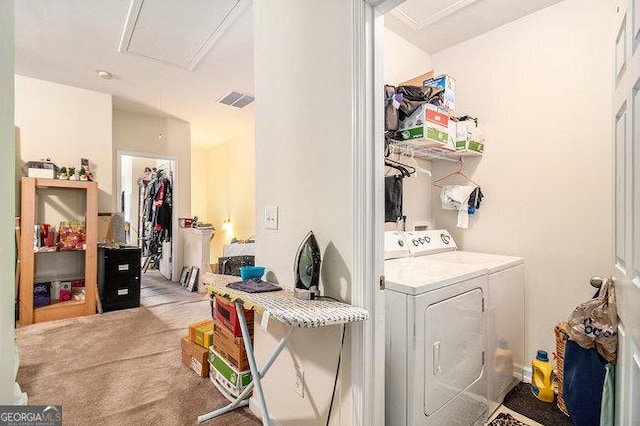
<point>561,339</point>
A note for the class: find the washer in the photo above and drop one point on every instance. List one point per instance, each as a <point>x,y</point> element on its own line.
<point>504,316</point>
<point>435,339</point>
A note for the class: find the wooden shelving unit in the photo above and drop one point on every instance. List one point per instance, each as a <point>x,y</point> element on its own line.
<point>29,218</point>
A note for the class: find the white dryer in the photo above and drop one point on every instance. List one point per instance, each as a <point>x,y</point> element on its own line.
<point>435,339</point>
<point>504,315</point>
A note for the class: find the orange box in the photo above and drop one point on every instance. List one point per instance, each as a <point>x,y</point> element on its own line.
<point>201,333</point>
<point>229,346</point>
<point>195,357</point>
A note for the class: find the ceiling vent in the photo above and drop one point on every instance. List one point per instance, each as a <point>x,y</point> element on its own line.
<point>177,33</point>
<point>236,99</point>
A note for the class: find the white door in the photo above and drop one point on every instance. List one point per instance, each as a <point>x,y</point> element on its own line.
<point>626,262</point>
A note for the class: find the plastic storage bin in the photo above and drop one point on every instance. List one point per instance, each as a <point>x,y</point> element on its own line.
<point>248,272</point>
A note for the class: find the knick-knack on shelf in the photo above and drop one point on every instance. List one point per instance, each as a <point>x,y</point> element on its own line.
<point>62,174</point>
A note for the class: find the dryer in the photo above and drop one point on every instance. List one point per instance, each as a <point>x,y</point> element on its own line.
<point>436,335</point>
<point>504,316</point>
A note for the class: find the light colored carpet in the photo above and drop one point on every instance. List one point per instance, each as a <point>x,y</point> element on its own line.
<point>123,367</point>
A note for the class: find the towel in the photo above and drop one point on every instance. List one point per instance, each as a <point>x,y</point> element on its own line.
<point>254,285</point>
<point>584,378</point>
<point>456,197</point>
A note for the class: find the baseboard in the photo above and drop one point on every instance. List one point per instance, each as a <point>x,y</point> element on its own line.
<point>255,409</point>
<point>526,374</point>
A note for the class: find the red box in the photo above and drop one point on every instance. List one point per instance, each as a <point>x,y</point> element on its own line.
<point>225,312</point>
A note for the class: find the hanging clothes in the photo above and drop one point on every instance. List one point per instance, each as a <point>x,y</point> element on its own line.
<point>456,197</point>
<point>392,198</point>
<point>158,206</point>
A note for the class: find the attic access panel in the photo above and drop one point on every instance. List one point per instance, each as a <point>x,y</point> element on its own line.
<point>177,33</point>
<point>419,14</point>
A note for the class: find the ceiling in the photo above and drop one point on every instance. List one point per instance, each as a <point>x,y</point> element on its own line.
<point>177,58</point>
<point>173,62</point>
<point>434,25</point>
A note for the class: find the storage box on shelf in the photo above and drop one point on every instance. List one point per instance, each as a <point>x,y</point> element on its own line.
<point>51,267</point>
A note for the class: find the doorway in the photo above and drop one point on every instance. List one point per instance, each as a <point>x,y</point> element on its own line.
<point>147,198</point>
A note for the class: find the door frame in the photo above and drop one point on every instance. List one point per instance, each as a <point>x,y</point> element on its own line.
<point>176,249</point>
<point>368,342</point>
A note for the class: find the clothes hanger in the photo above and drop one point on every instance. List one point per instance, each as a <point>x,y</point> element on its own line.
<point>399,167</point>
<point>458,173</point>
<point>408,168</point>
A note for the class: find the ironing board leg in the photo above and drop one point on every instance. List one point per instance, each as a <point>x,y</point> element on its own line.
<point>240,400</point>
<point>252,363</point>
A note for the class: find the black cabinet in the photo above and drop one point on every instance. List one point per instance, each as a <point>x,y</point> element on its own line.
<point>119,277</point>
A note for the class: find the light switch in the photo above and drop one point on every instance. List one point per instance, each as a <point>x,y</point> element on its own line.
<point>271,218</point>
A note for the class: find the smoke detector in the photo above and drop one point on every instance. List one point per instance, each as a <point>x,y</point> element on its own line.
<point>236,99</point>
<point>106,75</point>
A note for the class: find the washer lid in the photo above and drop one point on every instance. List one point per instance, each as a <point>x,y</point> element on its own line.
<point>492,262</point>
<point>417,275</point>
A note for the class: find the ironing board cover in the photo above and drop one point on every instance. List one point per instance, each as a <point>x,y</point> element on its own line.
<point>284,307</point>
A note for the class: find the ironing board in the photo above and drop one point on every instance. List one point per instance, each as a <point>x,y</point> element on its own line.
<point>284,307</point>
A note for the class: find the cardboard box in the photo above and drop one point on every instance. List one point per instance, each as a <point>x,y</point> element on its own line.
<point>229,346</point>
<point>111,228</point>
<point>226,313</point>
<point>417,81</point>
<point>41,169</point>
<point>448,84</point>
<point>226,377</point>
<point>41,173</point>
<point>468,137</point>
<point>201,333</point>
<point>195,357</point>
<point>428,126</point>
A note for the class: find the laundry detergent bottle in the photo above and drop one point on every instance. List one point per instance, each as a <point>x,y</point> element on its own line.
<point>542,377</point>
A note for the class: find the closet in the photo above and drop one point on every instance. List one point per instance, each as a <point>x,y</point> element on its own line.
<point>155,216</point>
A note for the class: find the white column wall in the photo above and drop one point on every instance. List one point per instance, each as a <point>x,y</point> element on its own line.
<point>303,81</point>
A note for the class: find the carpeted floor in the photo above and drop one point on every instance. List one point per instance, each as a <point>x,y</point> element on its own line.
<point>123,367</point>
<point>522,401</point>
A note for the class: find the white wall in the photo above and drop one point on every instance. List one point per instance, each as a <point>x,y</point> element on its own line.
<point>304,166</point>
<point>65,124</point>
<point>231,191</point>
<point>141,133</point>
<point>199,183</point>
<point>402,59</point>
<point>541,87</point>
<point>7,213</point>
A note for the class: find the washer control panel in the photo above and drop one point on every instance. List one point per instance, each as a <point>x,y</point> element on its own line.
<point>423,243</point>
<point>395,245</point>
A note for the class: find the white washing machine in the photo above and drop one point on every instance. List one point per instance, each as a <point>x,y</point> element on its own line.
<point>435,339</point>
<point>504,316</point>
